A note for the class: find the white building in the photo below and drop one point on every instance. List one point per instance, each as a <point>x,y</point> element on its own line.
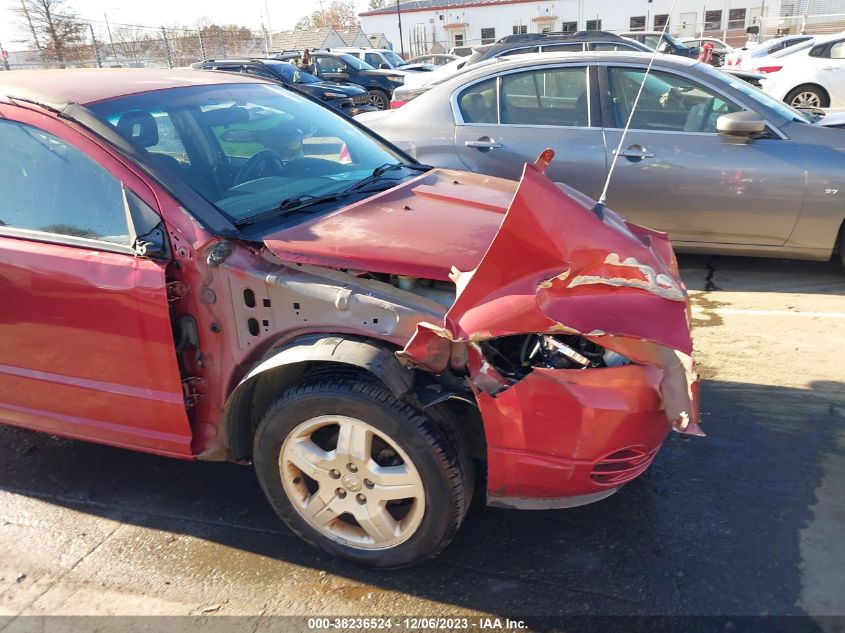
<point>449,23</point>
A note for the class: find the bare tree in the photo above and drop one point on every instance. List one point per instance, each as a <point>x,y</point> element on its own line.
<point>339,15</point>
<point>132,42</point>
<point>54,29</point>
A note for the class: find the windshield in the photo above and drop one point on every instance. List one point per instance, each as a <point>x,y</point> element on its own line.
<point>652,40</point>
<point>247,147</point>
<point>356,63</point>
<point>787,112</point>
<point>789,50</point>
<point>394,58</point>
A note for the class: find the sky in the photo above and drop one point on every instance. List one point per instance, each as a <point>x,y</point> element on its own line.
<point>283,13</point>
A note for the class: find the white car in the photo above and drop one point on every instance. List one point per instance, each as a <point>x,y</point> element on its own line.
<point>384,59</point>
<point>813,77</point>
<point>747,56</point>
<point>718,45</point>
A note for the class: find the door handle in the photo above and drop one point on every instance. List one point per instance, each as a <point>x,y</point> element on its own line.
<point>635,151</point>
<point>484,142</point>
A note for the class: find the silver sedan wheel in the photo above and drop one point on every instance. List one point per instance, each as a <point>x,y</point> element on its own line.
<point>806,99</point>
<point>351,482</point>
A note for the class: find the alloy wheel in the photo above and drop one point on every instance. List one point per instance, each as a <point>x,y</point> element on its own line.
<point>806,99</point>
<point>352,483</point>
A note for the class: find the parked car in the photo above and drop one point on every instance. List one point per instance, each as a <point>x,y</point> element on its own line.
<point>348,98</point>
<point>813,76</point>
<point>413,89</point>
<point>460,51</point>
<point>433,59</point>
<point>718,164</point>
<point>554,43</point>
<point>662,43</point>
<point>189,282</point>
<point>384,59</point>
<point>746,56</point>
<point>515,45</point>
<point>344,68</point>
<point>720,49</point>
<point>719,46</point>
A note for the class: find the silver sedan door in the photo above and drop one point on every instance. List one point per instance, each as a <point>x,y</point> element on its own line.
<point>507,120</point>
<point>677,174</point>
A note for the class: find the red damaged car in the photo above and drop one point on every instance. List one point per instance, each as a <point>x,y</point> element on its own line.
<point>212,267</point>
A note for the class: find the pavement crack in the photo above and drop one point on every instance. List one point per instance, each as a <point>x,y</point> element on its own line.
<point>59,578</point>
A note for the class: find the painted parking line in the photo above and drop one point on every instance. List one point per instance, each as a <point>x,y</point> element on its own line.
<point>815,315</point>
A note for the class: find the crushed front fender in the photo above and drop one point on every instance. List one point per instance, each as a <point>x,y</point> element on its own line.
<point>560,266</point>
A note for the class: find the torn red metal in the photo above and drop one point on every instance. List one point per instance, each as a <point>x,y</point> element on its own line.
<point>557,267</point>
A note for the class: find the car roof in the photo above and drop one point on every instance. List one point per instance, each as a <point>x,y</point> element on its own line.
<point>508,62</point>
<point>58,88</point>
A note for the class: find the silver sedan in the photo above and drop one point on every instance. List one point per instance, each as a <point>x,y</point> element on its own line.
<point>711,160</point>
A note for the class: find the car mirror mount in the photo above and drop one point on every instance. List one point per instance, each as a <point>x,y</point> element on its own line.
<point>744,123</point>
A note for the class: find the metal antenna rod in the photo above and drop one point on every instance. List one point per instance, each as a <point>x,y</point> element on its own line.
<point>599,208</point>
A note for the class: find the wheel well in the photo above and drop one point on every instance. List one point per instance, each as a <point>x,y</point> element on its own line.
<point>811,85</point>
<point>251,399</point>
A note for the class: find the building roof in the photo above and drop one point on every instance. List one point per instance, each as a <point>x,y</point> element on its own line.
<point>349,36</point>
<point>434,5</point>
<point>58,88</point>
<point>299,40</point>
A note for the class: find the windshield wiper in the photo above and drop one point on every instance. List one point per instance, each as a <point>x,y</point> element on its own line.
<point>306,200</point>
<point>379,171</point>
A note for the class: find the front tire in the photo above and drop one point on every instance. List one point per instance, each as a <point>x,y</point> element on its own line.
<point>808,96</point>
<point>361,475</point>
<point>379,99</point>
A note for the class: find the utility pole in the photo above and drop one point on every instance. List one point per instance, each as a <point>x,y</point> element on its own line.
<point>202,44</point>
<point>223,43</point>
<point>111,39</point>
<point>94,44</point>
<point>804,17</point>
<point>167,48</point>
<point>266,40</point>
<point>727,20</point>
<point>401,41</point>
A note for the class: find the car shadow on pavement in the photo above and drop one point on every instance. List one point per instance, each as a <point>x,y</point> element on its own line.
<point>715,527</point>
<point>759,274</point>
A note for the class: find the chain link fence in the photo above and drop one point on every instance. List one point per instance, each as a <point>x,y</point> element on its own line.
<point>132,46</point>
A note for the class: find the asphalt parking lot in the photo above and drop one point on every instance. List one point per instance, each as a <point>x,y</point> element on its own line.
<point>746,521</point>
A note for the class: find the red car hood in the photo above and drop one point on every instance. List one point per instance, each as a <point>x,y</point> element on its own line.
<point>421,228</point>
<point>549,265</point>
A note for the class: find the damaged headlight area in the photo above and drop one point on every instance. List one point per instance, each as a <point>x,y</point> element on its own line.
<point>515,357</point>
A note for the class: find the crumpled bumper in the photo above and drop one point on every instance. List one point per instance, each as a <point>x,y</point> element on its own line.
<point>563,437</point>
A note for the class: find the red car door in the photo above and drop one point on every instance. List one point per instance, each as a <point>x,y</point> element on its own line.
<point>86,346</point>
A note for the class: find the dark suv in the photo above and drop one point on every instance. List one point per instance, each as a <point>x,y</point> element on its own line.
<point>556,43</point>
<point>346,98</point>
<point>344,67</point>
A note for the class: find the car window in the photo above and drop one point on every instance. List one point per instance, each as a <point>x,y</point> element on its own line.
<point>837,51</point>
<point>478,103</point>
<point>230,68</point>
<point>373,59</point>
<point>611,46</point>
<point>260,72</point>
<point>48,185</point>
<point>330,64</point>
<point>668,103</point>
<point>252,145</point>
<point>556,96</point>
<point>564,48</point>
